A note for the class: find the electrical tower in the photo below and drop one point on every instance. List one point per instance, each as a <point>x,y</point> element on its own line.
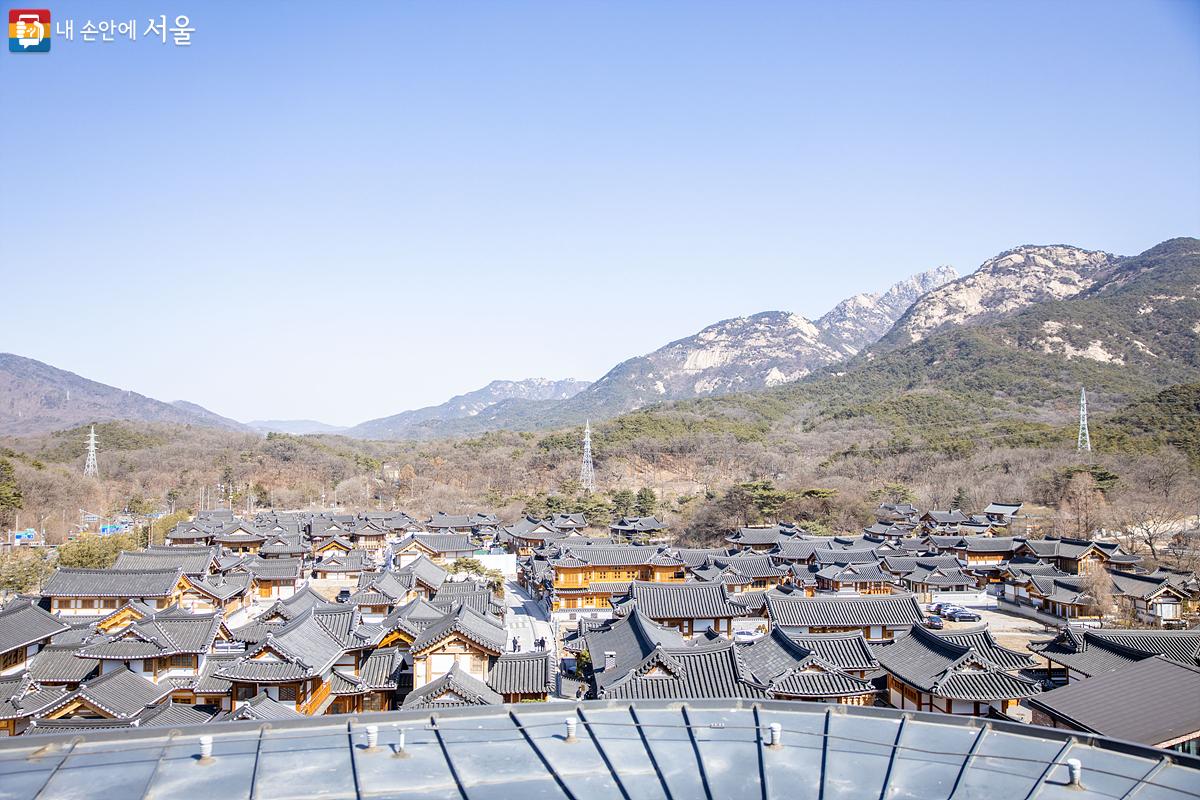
<point>89,467</point>
<point>1084,441</point>
<point>587,473</point>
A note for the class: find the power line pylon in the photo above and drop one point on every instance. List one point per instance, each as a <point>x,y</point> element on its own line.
<point>89,467</point>
<point>587,472</point>
<point>1083,443</point>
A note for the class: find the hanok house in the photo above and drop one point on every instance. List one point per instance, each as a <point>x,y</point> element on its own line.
<point>1150,599</point>
<point>1076,655</point>
<point>528,534</point>
<point>1079,556</point>
<point>523,677</point>
<point>943,522</point>
<point>462,637</point>
<point>372,687</point>
<point>284,545</point>
<point>274,578</point>
<point>439,548</point>
<point>369,536</point>
<point>586,578</point>
<point>1065,596</point>
<point>638,530</point>
<point>747,572</point>
<point>117,695</point>
<point>634,657</point>
<point>167,648</point>
<point>25,628</point>
<point>224,593</point>
<point>1002,514</point>
<point>332,546</point>
<point>954,672</point>
<point>854,579</point>
<point>343,566</point>
<point>1155,701</point>
<point>293,664</point>
<point>456,688</point>
<point>690,608</point>
<point>240,538</point>
<point>22,698</point>
<point>762,539</point>
<point>89,592</point>
<point>878,617</point>
<point>191,561</point>
<point>794,669</point>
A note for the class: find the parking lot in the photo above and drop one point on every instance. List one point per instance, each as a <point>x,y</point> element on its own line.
<point>1009,630</point>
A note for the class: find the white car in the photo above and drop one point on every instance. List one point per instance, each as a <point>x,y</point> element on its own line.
<point>745,636</point>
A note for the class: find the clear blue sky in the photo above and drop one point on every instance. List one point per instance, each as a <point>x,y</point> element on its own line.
<point>341,211</point>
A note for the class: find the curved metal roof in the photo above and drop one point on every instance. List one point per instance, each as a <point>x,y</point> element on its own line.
<point>645,749</point>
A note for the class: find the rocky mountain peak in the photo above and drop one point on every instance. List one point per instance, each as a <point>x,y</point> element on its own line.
<point>861,320</point>
<point>1010,281</point>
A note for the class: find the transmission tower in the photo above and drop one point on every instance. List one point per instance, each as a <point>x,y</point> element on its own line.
<point>1084,441</point>
<point>89,467</point>
<point>587,472</point>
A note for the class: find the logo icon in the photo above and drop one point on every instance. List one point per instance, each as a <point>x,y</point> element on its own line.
<point>29,30</point>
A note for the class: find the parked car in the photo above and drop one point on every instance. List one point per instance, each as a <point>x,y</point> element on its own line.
<point>745,636</point>
<point>962,615</point>
<point>934,622</point>
<point>343,595</point>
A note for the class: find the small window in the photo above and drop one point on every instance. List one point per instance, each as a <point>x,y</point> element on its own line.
<point>246,691</point>
<point>287,694</point>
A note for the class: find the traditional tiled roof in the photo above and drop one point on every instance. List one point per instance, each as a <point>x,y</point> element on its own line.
<point>456,688</point>
<point>836,611</point>
<point>262,708</point>
<point>303,647</point>
<point>747,537</point>
<point>1099,651</point>
<point>705,670</point>
<point>425,571</point>
<point>523,673</point>
<point>111,583</point>
<point>631,639</point>
<point>462,620</point>
<point>61,664</point>
<point>683,600</point>
<point>855,573</point>
<point>275,569</point>
<point>121,694</point>
<point>1142,587</point>
<point>351,561</point>
<point>629,555</point>
<point>222,587</point>
<point>22,697</point>
<point>168,633</point>
<point>414,616</point>
<point>838,556</point>
<point>23,622</point>
<point>848,650</point>
<point>1154,701</point>
<point>816,680</point>
<point>190,560</point>
<point>638,524</point>
<point>954,667</point>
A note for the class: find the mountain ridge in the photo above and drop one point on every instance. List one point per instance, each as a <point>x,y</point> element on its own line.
<point>36,397</point>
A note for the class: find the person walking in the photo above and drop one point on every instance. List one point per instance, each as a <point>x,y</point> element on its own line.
<point>516,645</point>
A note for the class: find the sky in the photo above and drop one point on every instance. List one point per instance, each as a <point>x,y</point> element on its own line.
<point>341,211</point>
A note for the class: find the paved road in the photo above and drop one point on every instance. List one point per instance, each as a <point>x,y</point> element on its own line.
<point>526,619</point>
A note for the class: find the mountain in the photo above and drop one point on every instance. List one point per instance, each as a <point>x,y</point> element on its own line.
<point>296,427</point>
<point>1012,377</point>
<point>36,398</point>
<point>421,422</point>
<point>1011,281</point>
<point>735,355</point>
<point>751,353</point>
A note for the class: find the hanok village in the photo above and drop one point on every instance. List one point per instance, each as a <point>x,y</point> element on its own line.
<point>278,617</point>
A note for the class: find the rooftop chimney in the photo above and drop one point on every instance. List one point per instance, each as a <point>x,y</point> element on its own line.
<point>610,660</point>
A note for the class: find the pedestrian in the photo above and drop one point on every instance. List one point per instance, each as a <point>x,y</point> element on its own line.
<point>516,645</point>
